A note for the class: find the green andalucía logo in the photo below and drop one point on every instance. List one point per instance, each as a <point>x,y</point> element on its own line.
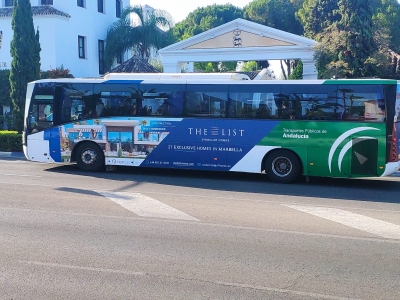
<point>348,145</point>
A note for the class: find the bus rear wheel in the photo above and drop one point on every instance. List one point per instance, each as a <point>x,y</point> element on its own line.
<point>90,157</point>
<point>282,166</point>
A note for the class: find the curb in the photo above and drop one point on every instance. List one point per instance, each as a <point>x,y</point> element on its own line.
<point>12,154</point>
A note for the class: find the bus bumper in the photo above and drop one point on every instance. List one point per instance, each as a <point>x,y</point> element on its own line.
<point>391,168</point>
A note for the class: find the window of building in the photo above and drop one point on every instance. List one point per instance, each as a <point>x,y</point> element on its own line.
<point>8,3</point>
<point>81,46</point>
<point>101,57</point>
<point>118,8</point>
<point>46,2</point>
<point>81,3</point>
<point>100,6</point>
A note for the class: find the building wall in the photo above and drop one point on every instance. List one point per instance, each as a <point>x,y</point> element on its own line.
<point>59,35</point>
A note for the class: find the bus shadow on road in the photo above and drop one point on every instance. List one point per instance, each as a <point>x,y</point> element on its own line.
<point>385,190</point>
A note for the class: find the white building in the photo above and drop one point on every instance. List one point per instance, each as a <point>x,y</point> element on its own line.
<point>72,33</point>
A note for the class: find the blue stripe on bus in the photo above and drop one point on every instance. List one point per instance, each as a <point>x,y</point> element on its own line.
<point>53,136</point>
<point>217,146</point>
<point>123,81</point>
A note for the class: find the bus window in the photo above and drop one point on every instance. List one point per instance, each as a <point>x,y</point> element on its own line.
<point>253,101</point>
<point>41,113</point>
<point>362,103</point>
<point>161,100</point>
<point>77,101</point>
<point>308,102</point>
<point>116,100</point>
<point>41,108</point>
<point>314,106</point>
<point>206,100</point>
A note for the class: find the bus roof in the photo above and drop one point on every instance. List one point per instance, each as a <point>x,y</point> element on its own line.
<point>176,76</point>
<point>208,78</point>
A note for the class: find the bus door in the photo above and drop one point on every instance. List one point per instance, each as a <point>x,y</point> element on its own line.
<point>40,121</point>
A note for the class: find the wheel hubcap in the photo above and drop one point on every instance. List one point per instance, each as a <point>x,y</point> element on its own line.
<point>281,166</point>
<point>89,157</point>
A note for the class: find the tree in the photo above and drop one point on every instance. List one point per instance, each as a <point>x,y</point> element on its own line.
<point>250,66</point>
<point>148,31</point>
<point>5,89</point>
<point>387,19</point>
<point>297,71</point>
<point>25,53</point>
<point>352,46</point>
<point>206,18</point>
<point>4,97</point>
<point>316,15</point>
<point>279,14</point>
<point>357,25</point>
<point>215,67</point>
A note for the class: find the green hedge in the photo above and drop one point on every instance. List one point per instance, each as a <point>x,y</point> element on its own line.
<point>10,141</point>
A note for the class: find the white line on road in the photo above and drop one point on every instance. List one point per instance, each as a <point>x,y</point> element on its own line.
<point>194,195</point>
<point>80,268</point>
<point>144,206</point>
<point>213,225</point>
<point>227,284</point>
<point>364,223</point>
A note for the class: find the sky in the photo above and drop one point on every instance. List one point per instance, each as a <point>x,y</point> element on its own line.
<point>179,9</point>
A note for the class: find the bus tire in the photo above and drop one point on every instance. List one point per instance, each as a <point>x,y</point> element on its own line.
<point>90,157</point>
<point>282,166</point>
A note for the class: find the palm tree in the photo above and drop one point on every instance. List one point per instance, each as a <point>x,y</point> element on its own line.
<point>149,31</point>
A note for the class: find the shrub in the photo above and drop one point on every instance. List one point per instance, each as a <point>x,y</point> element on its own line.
<point>56,73</point>
<point>10,141</point>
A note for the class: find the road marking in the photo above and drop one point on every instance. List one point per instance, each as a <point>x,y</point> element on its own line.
<point>204,224</point>
<point>168,276</point>
<point>37,263</point>
<point>144,206</point>
<point>367,224</point>
<point>286,291</point>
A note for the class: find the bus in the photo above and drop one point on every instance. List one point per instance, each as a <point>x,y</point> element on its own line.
<point>346,128</point>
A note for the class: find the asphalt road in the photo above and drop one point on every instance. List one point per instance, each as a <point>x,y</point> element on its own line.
<point>162,234</point>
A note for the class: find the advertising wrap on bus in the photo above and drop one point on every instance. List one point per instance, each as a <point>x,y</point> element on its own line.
<point>227,146</point>
<point>332,128</point>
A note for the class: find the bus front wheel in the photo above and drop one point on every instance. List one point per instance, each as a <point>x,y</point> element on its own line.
<point>282,166</point>
<point>90,157</point>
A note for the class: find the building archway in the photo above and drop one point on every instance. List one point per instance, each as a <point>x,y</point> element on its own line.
<point>240,40</point>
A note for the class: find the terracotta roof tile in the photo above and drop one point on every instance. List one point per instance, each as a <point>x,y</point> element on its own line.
<point>41,10</point>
